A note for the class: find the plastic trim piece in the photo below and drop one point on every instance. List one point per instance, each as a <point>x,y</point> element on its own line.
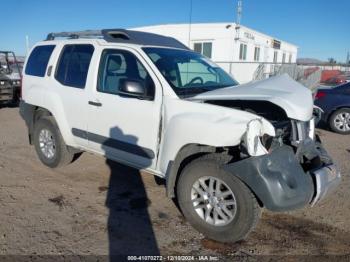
<point>277,179</point>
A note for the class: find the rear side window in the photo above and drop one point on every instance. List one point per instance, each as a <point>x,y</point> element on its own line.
<point>38,60</point>
<point>73,65</point>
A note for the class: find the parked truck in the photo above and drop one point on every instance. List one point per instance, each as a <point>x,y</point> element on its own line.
<point>10,78</point>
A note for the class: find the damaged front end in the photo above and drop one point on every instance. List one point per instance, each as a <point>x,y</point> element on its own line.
<point>288,168</point>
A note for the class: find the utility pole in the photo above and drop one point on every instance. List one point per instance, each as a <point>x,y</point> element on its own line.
<point>239,12</point>
<point>348,58</point>
<point>238,18</point>
<point>27,44</point>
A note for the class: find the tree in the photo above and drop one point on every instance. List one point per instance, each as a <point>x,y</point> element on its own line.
<point>331,60</point>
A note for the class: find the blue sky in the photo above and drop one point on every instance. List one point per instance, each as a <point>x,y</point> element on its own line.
<point>319,27</point>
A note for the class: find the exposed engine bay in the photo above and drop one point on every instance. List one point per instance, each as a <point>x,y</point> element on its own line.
<point>271,112</point>
<point>295,133</point>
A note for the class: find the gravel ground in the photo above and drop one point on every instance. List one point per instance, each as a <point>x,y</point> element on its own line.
<point>98,207</point>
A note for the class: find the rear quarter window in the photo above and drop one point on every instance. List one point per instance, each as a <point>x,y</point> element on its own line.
<point>73,65</point>
<point>38,60</point>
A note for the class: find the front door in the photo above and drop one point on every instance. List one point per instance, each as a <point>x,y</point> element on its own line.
<point>121,127</point>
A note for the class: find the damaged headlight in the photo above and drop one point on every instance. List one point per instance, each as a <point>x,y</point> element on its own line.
<point>312,128</point>
<point>256,131</point>
<point>303,130</point>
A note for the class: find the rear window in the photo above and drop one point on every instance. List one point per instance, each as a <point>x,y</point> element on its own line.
<point>74,65</point>
<point>38,60</point>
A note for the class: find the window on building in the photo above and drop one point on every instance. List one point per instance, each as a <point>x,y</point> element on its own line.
<point>257,54</point>
<point>207,49</point>
<point>74,65</point>
<point>243,52</point>
<point>204,48</point>
<point>197,47</point>
<point>38,60</point>
<point>275,56</point>
<point>290,58</point>
<point>284,58</point>
<point>276,44</point>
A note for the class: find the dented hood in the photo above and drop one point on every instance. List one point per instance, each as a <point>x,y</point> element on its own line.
<point>281,90</point>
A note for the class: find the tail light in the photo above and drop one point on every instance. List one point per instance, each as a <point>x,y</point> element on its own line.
<point>320,94</point>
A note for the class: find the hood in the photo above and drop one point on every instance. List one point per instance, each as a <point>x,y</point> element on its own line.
<point>281,90</point>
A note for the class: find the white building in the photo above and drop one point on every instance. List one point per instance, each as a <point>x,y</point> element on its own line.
<point>236,48</point>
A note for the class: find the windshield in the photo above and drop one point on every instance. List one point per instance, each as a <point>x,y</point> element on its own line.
<point>187,72</point>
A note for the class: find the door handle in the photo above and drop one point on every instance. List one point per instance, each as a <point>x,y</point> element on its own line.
<point>95,103</point>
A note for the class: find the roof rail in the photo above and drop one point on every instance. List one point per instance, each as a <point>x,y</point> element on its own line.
<point>121,36</point>
<point>75,35</point>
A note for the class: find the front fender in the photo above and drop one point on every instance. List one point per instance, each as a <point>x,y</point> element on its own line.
<point>202,124</point>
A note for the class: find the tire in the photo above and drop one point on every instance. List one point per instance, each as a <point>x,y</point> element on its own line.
<point>336,124</point>
<point>244,217</point>
<point>59,155</point>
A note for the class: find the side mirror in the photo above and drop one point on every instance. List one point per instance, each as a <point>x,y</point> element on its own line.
<point>134,88</point>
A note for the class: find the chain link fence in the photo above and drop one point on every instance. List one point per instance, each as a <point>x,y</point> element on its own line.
<point>308,75</point>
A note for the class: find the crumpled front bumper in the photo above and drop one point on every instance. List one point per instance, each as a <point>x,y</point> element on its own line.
<point>326,180</point>
<point>282,183</point>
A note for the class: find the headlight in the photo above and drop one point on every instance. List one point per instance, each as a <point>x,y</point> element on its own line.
<point>303,130</point>
<point>252,139</point>
<point>2,83</point>
<point>312,128</point>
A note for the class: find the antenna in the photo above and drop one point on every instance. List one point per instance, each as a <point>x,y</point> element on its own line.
<point>190,25</point>
<point>239,12</point>
<point>238,18</point>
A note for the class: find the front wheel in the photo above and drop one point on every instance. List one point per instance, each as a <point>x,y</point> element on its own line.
<point>215,202</point>
<point>49,144</point>
<point>339,121</point>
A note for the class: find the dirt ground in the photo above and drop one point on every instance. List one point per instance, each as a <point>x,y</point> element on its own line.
<point>97,207</point>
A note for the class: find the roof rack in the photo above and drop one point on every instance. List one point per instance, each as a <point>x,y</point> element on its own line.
<point>75,35</point>
<point>121,36</point>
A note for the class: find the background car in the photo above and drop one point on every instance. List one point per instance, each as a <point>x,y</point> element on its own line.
<point>335,102</point>
<point>336,80</point>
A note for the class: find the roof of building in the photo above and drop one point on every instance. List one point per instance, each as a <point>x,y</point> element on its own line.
<point>217,24</point>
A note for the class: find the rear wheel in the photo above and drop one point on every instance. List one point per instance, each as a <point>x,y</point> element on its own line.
<point>215,202</point>
<point>339,121</point>
<point>49,144</point>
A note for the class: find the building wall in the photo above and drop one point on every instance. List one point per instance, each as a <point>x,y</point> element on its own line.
<point>226,39</point>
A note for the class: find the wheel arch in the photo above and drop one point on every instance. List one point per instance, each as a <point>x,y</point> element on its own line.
<point>36,114</point>
<point>187,154</point>
<point>31,115</point>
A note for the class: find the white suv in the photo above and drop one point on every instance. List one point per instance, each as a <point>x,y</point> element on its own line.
<point>225,150</point>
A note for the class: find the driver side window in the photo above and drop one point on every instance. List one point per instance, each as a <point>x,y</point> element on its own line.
<point>118,65</point>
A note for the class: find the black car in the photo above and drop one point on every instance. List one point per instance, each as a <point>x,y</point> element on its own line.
<point>335,102</point>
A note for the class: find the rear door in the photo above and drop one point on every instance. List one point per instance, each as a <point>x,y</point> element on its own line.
<point>121,127</point>
<point>69,84</point>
